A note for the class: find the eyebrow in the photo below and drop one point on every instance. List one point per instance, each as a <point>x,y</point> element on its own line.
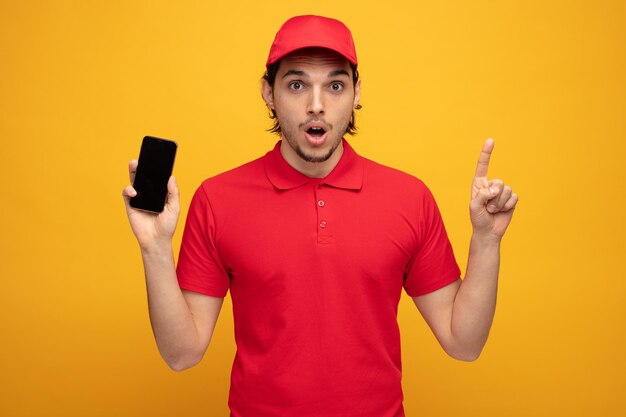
<point>338,72</point>
<point>295,72</point>
<point>331,74</point>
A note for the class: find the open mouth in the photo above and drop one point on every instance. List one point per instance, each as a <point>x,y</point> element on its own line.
<point>315,133</point>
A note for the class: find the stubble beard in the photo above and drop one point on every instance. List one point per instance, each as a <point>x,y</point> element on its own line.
<point>314,158</point>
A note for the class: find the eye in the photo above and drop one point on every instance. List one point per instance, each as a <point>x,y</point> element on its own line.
<point>336,86</point>
<point>295,85</point>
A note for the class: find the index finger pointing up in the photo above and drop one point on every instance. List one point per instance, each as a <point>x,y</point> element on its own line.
<point>483,160</point>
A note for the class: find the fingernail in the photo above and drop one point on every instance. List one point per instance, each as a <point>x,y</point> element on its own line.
<point>492,208</point>
<point>493,190</point>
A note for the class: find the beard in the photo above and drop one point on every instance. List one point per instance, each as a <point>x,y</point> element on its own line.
<point>313,158</point>
<point>289,135</point>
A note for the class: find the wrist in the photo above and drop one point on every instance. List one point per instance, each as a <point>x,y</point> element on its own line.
<point>157,249</point>
<point>486,239</point>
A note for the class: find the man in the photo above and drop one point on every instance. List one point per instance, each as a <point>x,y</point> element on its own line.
<point>315,244</point>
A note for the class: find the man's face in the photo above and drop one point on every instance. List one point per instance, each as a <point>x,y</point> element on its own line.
<point>313,97</point>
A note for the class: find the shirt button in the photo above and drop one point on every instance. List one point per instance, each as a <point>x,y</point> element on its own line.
<point>321,203</point>
<point>323,224</point>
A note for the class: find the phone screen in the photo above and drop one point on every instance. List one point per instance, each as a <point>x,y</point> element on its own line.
<point>156,161</point>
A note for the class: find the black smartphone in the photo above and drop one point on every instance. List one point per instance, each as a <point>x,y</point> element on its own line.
<point>156,162</point>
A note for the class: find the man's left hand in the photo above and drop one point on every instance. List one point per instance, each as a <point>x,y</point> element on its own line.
<point>493,202</point>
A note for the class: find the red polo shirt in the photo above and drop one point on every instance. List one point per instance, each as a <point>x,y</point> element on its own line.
<point>315,267</point>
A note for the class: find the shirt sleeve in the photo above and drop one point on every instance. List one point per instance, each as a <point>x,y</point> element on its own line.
<point>200,268</point>
<point>433,265</point>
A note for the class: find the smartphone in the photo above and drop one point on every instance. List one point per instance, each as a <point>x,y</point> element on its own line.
<point>156,162</point>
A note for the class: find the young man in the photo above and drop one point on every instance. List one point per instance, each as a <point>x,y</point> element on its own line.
<point>315,244</point>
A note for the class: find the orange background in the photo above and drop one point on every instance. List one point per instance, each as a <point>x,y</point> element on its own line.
<point>83,81</point>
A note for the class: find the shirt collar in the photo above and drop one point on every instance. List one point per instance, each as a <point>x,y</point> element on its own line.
<point>348,173</point>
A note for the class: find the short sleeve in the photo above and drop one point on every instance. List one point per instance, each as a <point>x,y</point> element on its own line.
<point>433,265</point>
<point>199,266</point>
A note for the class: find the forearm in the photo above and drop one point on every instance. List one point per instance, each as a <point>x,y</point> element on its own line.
<point>461,313</point>
<point>475,302</point>
<point>172,322</point>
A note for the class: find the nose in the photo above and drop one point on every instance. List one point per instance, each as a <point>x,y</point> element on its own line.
<point>316,102</point>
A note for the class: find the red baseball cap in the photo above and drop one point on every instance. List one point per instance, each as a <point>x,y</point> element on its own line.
<point>312,32</point>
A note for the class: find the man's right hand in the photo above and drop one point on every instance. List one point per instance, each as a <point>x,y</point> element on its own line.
<point>182,321</point>
<point>152,230</point>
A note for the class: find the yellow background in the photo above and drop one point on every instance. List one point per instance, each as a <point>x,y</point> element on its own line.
<point>83,81</point>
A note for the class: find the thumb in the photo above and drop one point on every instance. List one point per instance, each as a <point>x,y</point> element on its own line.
<point>482,198</point>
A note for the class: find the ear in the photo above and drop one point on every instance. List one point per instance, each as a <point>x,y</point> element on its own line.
<point>357,93</point>
<point>268,95</point>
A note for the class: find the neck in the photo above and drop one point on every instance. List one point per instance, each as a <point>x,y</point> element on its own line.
<point>311,169</point>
